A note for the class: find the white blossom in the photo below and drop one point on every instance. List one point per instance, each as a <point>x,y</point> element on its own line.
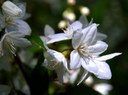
<point>11,9</point>
<point>86,53</point>
<point>13,22</point>
<point>11,40</point>
<point>56,61</point>
<point>13,28</point>
<point>68,32</point>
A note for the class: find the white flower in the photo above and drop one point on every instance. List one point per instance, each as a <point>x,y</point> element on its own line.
<point>11,40</point>
<point>13,28</point>
<point>12,18</point>
<point>51,37</point>
<point>11,9</point>
<point>86,53</point>
<point>56,61</point>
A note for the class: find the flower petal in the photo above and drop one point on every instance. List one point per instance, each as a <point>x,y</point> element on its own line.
<point>89,34</point>
<point>98,48</point>
<point>84,76</point>
<point>77,39</point>
<point>104,71</point>
<point>48,30</point>
<point>90,66</point>
<point>100,36</point>
<point>21,42</point>
<point>20,26</point>
<point>107,57</point>
<point>57,37</point>
<point>76,25</point>
<point>74,60</point>
<point>83,20</point>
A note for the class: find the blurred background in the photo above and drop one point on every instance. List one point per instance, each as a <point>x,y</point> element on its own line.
<point>112,17</point>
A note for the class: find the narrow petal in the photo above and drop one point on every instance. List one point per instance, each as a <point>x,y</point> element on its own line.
<point>89,34</point>
<point>84,76</point>
<point>57,37</point>
<point>104,71</point>
<point>48,30</point>
<point>100,36</point>
<point>77,39</point>
<point>73,76</point>
<point>65,64</point>
<point>98,48</point>
<point>74,60</point>
<point>107,57</point>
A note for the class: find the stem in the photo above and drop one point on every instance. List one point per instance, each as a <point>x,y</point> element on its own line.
<point>24,72</point>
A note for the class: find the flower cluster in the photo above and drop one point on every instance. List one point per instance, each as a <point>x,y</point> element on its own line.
<point>13,28</point>
<point>82,57</point>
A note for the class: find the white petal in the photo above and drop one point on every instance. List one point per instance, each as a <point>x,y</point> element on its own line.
<point>65,64</point>
<point>44,39</point>
<point>83,20</point>
<point>76,25</point>
<point>48,30</point>
<point>77,39</point>
<point>74,75</point>
<point>20,26</point>
<point>57,37</point>
<point>84,76</point>
<point>103,71</point>
<point>16,39</point>
<point>21,42</point>
<point>11,9</point>
<point>89,34</point>
<point>98,48</point>
<point>46,64</point>
<point>74,60</point>
<point>100,36</point>
<point>15,34</point>
<point>107,57</point>
<point>91,66</point>
<point>55,59</point>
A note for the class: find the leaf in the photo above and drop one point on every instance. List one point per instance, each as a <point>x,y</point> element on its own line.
<point>37,43</point>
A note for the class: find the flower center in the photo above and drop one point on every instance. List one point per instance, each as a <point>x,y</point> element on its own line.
<point>8,20</point>
<point>82,49</point>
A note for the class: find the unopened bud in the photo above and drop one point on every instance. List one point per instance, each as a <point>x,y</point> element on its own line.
<point>11,9</point>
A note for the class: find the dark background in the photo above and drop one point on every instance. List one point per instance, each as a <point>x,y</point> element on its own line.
<point>112,15</point>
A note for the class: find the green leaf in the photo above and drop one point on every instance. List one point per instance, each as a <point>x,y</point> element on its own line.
<point>37,43</point>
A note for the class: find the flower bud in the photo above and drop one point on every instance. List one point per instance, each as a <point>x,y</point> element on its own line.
<point>11,9</point>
